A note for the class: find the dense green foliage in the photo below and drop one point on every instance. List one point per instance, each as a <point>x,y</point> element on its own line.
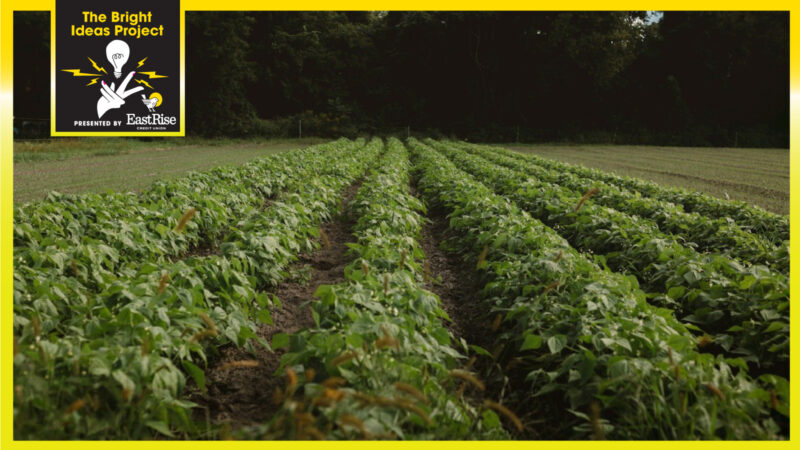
<point>706,234</point>
<point>744,307</point>
<point>770,226</point>
<point>219,73</point>
<point>611,318</point>
<point>691,78</point>
<point>585,334</point>
<point>113,339</point>
<point>390,329</point>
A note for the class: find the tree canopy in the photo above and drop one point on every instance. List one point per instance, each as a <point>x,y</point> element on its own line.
<point>691,78</point>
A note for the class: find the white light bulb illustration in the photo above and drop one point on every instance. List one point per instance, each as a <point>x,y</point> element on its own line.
<point>117,53</point>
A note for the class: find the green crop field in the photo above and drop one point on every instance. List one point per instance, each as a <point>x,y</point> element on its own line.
<point>380,289</point>
<point>757,176</point>
<point>123,165</point>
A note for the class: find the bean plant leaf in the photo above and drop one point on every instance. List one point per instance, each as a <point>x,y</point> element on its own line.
<point>556,343</point>
<point>196,373</point>
<point>534,341</point>
<point>280,340</point>
<point>161,427</point>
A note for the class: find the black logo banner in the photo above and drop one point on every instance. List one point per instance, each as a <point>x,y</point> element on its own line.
<point>117,66</point>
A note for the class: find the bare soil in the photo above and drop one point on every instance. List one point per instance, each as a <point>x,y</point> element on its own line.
<point>243,396</point>
<point>458,285</point>
<point>205,248</point>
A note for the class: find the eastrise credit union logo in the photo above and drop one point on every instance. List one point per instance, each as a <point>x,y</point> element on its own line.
<point>152,119</point>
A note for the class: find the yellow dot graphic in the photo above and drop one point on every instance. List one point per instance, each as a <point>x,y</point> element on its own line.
<point>158,96</point>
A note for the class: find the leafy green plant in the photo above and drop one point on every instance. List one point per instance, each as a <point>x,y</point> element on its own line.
<point>121,299</point>
<point>745,308</point>
<point>380,364</point>
<point>110,362</point>
<point>773,227</point>
<point>706,234</point>
<point>585,335</point>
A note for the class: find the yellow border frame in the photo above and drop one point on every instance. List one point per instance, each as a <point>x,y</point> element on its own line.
<point>6,210</point>
<point>182,122</point>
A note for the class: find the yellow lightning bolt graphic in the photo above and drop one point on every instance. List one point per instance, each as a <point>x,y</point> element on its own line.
<point>96,67</point>
<point>141,62</point>
<point>94,80</point>
<point>153,75</point>
<point>78,73</point>
<point>143,82</point>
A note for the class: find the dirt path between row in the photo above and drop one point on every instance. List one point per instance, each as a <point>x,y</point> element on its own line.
<point>458,285</point>
<point>243,396</point>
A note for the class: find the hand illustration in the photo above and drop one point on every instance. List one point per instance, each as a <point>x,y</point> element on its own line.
<point>111,99</point>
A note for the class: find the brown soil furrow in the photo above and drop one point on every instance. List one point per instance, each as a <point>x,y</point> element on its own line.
<point>243,396</point>
<point>459,285</point>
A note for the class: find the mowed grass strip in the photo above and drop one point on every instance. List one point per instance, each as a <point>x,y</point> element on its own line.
<point>756,176</point>
<point>135,168</point>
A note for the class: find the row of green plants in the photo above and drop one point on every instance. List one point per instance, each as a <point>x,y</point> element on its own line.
<point>100,236</point>
<point>706,234</point>
<point>67,274</point>
<point>597,359</point>
<point>774,227</point>
<point>379,364</point>
<point>114,363</point>
<point>745,308</point>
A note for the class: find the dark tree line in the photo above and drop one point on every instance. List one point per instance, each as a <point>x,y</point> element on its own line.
<point>692,78</point>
